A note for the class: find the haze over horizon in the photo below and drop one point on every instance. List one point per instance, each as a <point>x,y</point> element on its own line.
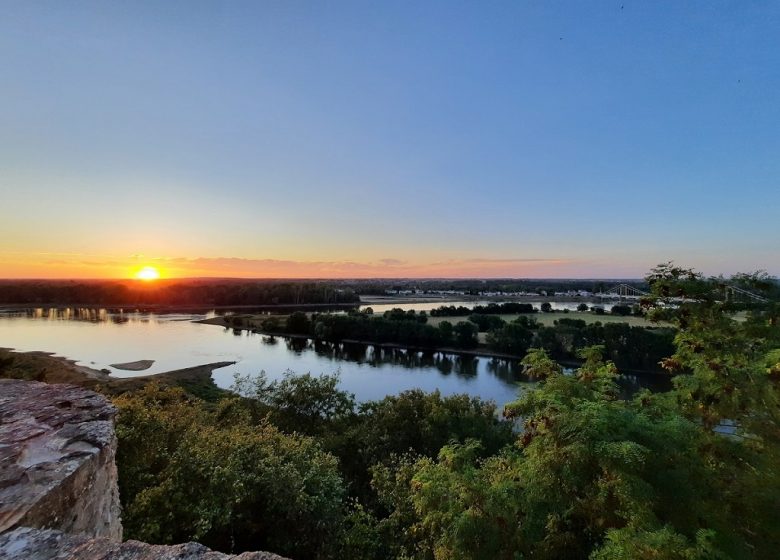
<point>354,140</point>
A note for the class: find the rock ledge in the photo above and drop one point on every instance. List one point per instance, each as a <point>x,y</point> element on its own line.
<point>57,470</point>
<point>59,498</point>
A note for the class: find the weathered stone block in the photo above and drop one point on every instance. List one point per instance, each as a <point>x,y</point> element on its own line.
<point>57,470</point>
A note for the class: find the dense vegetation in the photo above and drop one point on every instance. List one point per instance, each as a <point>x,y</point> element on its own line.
<point>398,327</point>
<point>173,292</point>
<point>489,309</point>
<point>631,348</point>
<point>297,467</point>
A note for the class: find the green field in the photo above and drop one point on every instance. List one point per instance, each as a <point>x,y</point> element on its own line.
<point>547,319</point>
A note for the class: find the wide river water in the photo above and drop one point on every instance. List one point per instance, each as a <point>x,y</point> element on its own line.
<point>98,338</point>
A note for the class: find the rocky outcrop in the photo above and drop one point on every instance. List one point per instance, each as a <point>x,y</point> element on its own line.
<point>36,544</point>
<point>58,480</point>
<point>57,470</point>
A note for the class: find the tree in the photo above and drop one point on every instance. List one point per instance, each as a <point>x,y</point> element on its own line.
<point>513,338</point>
<point>588,464</point>
<point>446,329</point>
<point>623,310</point>
<point>546,307</point>
<point>486,323</point>
<point>298,323</point>
<point>582,307</point>
<point>692,473</point>
<point>465,334</point>
<point>297,403</point>
<point>539,365</point>
<point>190,473</point>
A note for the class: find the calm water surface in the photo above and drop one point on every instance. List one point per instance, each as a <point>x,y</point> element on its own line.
<point>98,338</point>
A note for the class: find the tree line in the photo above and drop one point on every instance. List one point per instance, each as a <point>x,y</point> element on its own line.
<point>174,292</point>
<point>629,347</point>
<point>489,309</point>
<point>406,328</point>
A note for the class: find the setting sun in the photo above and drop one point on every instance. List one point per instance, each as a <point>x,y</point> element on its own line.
<point>148,273</point>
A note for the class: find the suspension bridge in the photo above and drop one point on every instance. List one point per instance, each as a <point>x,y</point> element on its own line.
<point>730,293</point>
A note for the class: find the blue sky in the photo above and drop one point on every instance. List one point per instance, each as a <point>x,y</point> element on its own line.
<point>389,139</point>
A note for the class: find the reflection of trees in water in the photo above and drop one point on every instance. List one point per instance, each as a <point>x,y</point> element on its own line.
<point>376,356</point>
<point>96,315</point>
<point>510,371</point>
<point>443,363</point>
<point>466,366</point>
<point>88,314</point>
<point>297,345</point>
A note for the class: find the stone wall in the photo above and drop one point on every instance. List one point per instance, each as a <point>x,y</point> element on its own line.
<point>57,470</point>
<point>58,480</point>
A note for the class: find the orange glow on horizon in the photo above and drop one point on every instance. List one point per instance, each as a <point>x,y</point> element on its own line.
<point>157,268</point>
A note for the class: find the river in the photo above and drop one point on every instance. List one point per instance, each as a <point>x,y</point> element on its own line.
<point>98,338</point>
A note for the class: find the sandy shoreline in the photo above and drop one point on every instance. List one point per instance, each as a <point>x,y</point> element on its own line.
<point>45,366</point>
<point>138,365</point>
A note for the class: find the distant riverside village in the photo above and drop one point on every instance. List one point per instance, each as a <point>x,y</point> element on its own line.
<point>491,293</point>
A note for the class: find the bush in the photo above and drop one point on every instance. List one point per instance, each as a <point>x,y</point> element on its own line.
<point>622,310</point>
<point>232,485</point>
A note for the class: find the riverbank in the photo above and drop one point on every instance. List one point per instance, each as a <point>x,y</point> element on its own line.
<point>478,352</point>
<point>48,368</point>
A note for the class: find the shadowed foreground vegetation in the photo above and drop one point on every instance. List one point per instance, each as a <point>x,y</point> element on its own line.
<point>299,468</point>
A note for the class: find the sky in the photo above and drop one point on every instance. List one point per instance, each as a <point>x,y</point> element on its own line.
<point>388,139</point>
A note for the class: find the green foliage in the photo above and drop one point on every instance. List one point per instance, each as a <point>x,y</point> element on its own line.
<point>394,327</point>
<point>623,310</point>
<point>397,314</point>
<point>693,473</point>
<point>362,538</point>
<point>239,486</point>
<point>512,338</point>
<point>631,348</point>
<point>469,510</point>
<point>272,324</point>
<point>465,334</point>
<point>489,309</point>
<point>486,323</point>
<point>297,403</point>
<point>630,543</point>
<point>586,463</point>
<point>175,292</point>
<point>538,364</point>
<point>298,323</point>
<point>413,422</point>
